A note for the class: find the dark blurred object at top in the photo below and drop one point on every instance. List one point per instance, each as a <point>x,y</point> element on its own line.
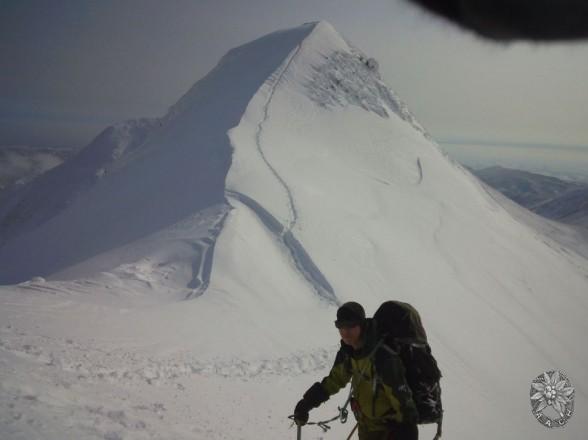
<point>504,20</point>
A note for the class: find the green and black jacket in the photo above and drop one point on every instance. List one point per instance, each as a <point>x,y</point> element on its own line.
<point>378,381</point>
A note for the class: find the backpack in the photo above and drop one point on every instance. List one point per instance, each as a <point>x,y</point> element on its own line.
<point>400,327</point>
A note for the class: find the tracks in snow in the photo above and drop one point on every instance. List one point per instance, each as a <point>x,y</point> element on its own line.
<point>302,261</point>
<point>258,142</point>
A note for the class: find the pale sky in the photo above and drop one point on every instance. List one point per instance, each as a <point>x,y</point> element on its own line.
<point>70,68</point>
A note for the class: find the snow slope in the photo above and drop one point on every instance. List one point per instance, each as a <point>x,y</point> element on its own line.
<point>189,290</point>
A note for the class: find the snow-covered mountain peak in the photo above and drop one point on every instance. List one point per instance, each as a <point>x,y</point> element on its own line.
<point>219,238</point>
<point>335,73</point>
<point>254,61</point>
<point>329,70</point>
<point>156,172</point>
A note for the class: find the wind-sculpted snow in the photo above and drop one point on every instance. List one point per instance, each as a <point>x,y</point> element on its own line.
<point>350,78</point>
<point>347,78</point>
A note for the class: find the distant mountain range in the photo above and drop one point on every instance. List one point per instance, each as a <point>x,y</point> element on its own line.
<point>547,196</point>
<point>21,164</point>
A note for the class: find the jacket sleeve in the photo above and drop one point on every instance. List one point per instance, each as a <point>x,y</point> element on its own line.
<point>339,375</point>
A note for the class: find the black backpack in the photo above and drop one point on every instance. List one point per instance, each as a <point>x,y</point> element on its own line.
<point>402,331</point>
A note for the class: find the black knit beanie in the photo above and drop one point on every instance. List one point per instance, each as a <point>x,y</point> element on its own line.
<point>350,314</point>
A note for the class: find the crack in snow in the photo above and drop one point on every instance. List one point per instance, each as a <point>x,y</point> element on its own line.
<point>420,170</point>
<point>302,260</point>
<point>202,263</point>
<point>258,133</point>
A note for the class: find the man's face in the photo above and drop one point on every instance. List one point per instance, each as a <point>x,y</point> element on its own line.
<point>351,335</point>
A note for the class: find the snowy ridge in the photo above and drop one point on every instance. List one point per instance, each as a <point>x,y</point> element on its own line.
<point>278,44</point>
<point>178,170</point>
<point>302,260</point>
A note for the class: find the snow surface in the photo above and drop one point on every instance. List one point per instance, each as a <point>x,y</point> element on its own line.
<point>183,284</point>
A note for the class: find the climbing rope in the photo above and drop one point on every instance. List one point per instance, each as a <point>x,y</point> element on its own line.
<point>343,412</point>
<point>324,424</point>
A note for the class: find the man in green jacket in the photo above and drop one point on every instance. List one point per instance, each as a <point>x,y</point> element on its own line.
<point>381,398</point>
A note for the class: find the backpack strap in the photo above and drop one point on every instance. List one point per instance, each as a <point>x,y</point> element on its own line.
<point>439,430</point>
<point>413,342</point>
<point>370,356</point>
<point>389,349</point>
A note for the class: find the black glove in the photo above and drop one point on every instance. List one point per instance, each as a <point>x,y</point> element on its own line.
<point>315,395</point>
<point>301,412</point>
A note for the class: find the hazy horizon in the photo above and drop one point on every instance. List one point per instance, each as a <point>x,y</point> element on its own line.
<point>567,162</point>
